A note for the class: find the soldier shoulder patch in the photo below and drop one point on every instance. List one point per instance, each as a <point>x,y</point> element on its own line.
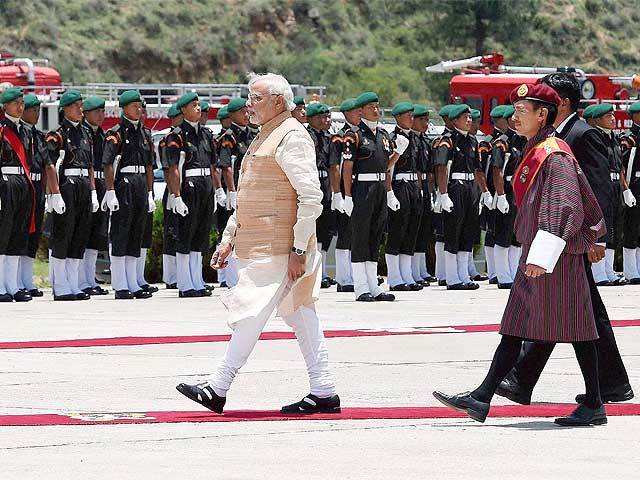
<point>54,138</point>
<point>627,142</point>
<point>113,136</point>
<point>501,144</point>
<point>445,142</point>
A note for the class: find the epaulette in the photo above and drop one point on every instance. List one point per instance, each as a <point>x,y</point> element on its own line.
<point>502,143</point>
<point>627,141</point>
<point>484,147</point>
<point>113,136</point>
<point>55,137</point>
<point>445,141</point>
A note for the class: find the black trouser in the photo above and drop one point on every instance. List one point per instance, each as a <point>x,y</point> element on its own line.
<point>460,225</point>
<point>506,356</point>
<point>147,235</point>
<point>193,229</point>
<point>34,238</point>
<point>168,227</point>
<point>70,231</point>
<point>611,371</point>
<point>99,232</point>
<point>343,222</point>
<point>367,220</point>
<point>14,216</point>
<point>612,217</point>
<point>425,231</point>
<point>129,221</point>
<point>404,223</point>
<point>326,226</point>
<point>631,232</point>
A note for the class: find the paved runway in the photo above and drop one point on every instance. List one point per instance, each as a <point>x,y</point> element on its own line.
<point>89,392</point>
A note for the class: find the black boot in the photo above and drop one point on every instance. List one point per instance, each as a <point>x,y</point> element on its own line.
<point>149,288</point>
<point>6,298</point>
<point>365,297</point>
<point>385,297</point>
<point>189,294</point>
<point>583,417</point>
<point>124,295</point>
<point>508,388</point>
<point>203,394</point>
<point>464,402</point>
<point>34,292</point>
<point>345,288</point>
<point>622,393</point>
<point>22,296</point>
<point>141,294</point>
<point>312,404</point>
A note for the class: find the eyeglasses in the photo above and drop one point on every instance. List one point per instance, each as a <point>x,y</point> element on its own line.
<point>256,98</point>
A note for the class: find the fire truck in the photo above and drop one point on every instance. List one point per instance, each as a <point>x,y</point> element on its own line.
<point>36,76</point>
<point>484,82</point>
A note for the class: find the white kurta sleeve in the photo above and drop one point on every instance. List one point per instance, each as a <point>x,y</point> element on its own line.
<point>229,234</point>
<point>296,155</point>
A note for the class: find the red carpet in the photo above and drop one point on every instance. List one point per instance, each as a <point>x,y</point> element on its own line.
<point>124,341</point>
<point>356,413</point>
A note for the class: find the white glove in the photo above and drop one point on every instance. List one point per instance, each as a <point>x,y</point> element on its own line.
<point>629,199</point>
<point>110,201</point>
<point>446,202</point>
<point>56,203</point>
<point>348,205</point>
<point>232,200</point>
<point>171,199</point>
<point>152,203</point>
<point>437,204</point>
<point>392,202</point>
<point>402,143</point>
<point>503,204</point>
<point>337,202</point>
<point>487,199</point>
<point>221,197</point>
<point>179,207</point>
<point>94,201</point>
<point>47,205</point>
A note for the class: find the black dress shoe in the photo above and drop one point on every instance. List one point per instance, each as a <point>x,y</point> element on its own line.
<point>189,294</point>
<point>124,295</point>
<point>333,281</point>
<point>82,296</point>
<point>6,298</point>
<point>604,283</point>
<point>98,290</point>
<point>149,288</point>
<point>505,286</point>
<point>312,404</point>
<point>414,287</point>
<point>620,282</point>
<point>380,280</point>
<point>223,285</point>
<point>34,292</point>
<point>623,393</point>
<point>431,279</point>
<point>464,402</point>
<point>64,298</point>
<point>171,286</point>
<point>480,278</point>
<point>583,417</point>
<point>345,288</point>
<point>402,287</point>
<point>471,286</point>
<point>22,296</point>
<point>209,287</point>
<point>204,395</point>
<point>511,390</point>
<point>385,297</point>
<point>325,283</point>
<point>88,291</point>
<point>141,294</point>
<point>365,297</point>
<point>442,283</point>
<point>493,281</point>
<point>204,292</point>
<point>634,281</point>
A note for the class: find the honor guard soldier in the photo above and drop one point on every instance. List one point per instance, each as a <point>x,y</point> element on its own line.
<point>631,230</point>
<point>344,277</point>
<point>220,196</point>
<point>128,169</point>
<point>368,154</point>
<point>38,159</point>
<point>71,150</point>
<point>319,119</point>
<point>93,108</point>
<point>169,219</point>
<point>17,207</point>
<point>190,154</point>
<point>420,126</point>
<point>586,115</point>
<point>605,121</point>
<point>300,112</point>
<point>404,202</point>
<point>456,160</point>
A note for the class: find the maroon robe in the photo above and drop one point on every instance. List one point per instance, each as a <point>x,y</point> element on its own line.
<point>556,306</point>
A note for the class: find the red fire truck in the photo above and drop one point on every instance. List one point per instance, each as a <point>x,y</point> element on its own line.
<point>484,82</point>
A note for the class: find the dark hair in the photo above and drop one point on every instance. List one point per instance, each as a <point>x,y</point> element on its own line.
<point>566,85</point>
<point>552,109</point>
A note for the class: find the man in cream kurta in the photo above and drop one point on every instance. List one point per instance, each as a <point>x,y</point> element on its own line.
<point>272,233</point>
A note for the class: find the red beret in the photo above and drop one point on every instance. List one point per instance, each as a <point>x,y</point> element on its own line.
<point>539,92</point>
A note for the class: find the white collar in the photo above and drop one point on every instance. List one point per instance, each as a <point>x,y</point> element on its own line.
<point>75,124</point>
<point>13,119</point>
<point>605,130</point>
<point>462,132</point>
<point>132,122</point>
<point>560,127</point>
<point>372,125</point>
<point>195,125</point>
<point>406,132</point>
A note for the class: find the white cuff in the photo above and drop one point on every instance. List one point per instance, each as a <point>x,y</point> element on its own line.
<point>545,250</point>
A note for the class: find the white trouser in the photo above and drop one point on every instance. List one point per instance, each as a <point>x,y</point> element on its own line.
<point>441,266</point>
<point>3,288</point>
<point>394,277</point>
<point>306,326</point>
<point>11,267</point>
<point>463,266</point>
<point>473,271</point>
<point>118,273</point>
<point>629,261</point>
<point>131,265</point>
<point>195,268</point>
<point>372,278</point>
<point>405,269</point>
<point>503,269</point>
<point>491,266</point>
<point>26,273</point>
<point>169,269</point>
<point>360,283</point>
<point>323,254</point>
<point>599,271</point>
<point>140,263</point>
<point>419,267</point>
<point>58,275</point>
<point>609,255</point>
<point>185,281</point>
<point>514,260</point>
<point>343,267</point>
<point>88,269</point>
<point>72,266</point>
<point>451,268</point>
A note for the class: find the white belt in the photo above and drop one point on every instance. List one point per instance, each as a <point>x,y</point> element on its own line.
<point>76,172</point>
<point>462,176</point>
<point>508,178</point>
<point>13,170</point>
<point>406,176</point>
<point>133,169</point>
<point>197,172</point>
<point>36,177</point>
<point>98,175</point>
<point>323,173</point>
<point>370,177</point>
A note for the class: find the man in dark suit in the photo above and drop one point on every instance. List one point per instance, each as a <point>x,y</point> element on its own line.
<point>590,152</point>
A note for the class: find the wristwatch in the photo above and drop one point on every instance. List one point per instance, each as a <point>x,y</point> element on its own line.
<point>297,251</point>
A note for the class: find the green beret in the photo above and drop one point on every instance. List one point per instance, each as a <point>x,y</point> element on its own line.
<point>31,101</point>
<point>223,113</point>
<point>420,110</point>
<point>129,96</point>
<point>497,111</point>
<point>601,109</point>
<point>298,100</point>
<point>69,97</point>
<point>475,114</point>
<point>366,98</point>
<point>173,111</point>
<point>236,104</point>
<point>508,111</point>
<point>204,106</point>
<point>588,111</point>
<point>444,111</point>
<point>10,94</point>
<point>402,107</point>
<point>458,109</point>
<point>186,99</point>
<point>348,104</point>
<point>634,108</point>
<point>317,109</point>
<point>92,103</point>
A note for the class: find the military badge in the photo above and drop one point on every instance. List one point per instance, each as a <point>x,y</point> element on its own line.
<point>523,90</point>
<point>524,173</point>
